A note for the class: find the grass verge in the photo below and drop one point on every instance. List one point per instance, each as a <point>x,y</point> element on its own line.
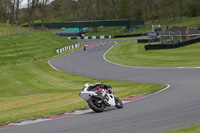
<point>135,55</point>
<point>191,129</point>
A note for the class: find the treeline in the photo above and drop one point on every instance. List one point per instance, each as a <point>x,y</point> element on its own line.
<point>10,11</point>
<point>77,10</point>
<point>125,9</point>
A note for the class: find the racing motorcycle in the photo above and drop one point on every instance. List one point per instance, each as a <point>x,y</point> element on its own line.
<point>100,96</point>
<point>85,47</point>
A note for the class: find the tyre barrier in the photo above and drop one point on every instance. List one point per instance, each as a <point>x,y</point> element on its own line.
<point>171,46</point>
<point>67,48</point>
<point>146,40</point>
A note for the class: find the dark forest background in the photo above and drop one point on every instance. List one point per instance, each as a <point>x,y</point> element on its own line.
<point>80,10</point>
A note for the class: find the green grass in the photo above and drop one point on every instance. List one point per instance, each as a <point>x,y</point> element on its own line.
<point>30,47</point>
<point>4,28</point>
<point>9,30</point>
<point>2,25</point>
<point>191,129</point>
<point>31,89</point>
<point>136,55</point>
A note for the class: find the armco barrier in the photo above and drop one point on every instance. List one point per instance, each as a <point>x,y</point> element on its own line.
<point>171,46</point>
<point>67,48</point>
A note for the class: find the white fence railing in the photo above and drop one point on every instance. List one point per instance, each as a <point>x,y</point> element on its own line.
<point>67,48</point>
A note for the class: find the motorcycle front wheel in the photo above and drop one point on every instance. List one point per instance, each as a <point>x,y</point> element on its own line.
<point>97,107</point>
<point>118,103</point>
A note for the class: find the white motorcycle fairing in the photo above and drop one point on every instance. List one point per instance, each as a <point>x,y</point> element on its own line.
<point>86,95</point>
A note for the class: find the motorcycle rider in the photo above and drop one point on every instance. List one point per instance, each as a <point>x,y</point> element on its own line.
<point>85,47</point>
<point>100,86</point>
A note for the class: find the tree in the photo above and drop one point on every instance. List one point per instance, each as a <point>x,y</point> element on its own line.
<point>44,10</point>
<point>5,10</point>
<point>172,2</point>
<point>87,8</point>
<point>73,10</point>
<point>157,8</point>
<point>1,11</point>
<point>192,8</point>
<point>114,6</point>
<point>32,4</point>
<point>70,10</point>
<point>123,9</point>
<point>12,7</point>
<point>144,4</point>
<point>56,6</point>
<point>18,2</point>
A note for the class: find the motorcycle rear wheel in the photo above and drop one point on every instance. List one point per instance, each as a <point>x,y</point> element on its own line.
<point>97,107</point>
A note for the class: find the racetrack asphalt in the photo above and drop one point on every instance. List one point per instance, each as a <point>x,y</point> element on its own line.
<point>176,107</point>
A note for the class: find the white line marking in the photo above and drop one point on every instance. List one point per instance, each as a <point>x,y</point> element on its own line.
<point>29,122</point>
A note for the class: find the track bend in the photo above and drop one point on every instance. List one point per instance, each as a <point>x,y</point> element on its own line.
<point>175,107</point>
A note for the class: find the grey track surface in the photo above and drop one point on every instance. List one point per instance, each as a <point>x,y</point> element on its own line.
<point>175,107</point>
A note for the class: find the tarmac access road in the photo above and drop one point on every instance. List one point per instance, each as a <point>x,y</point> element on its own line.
<point>176,107</point>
